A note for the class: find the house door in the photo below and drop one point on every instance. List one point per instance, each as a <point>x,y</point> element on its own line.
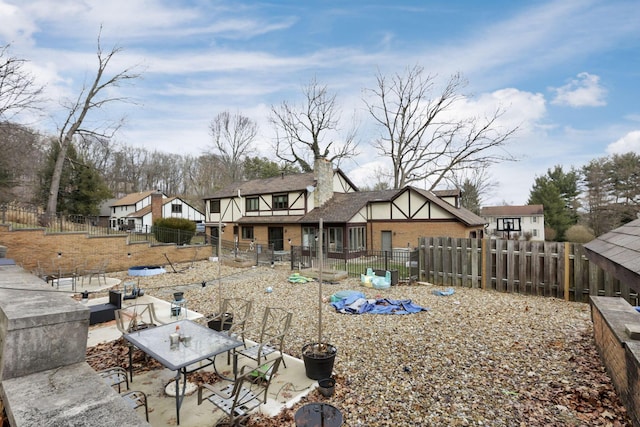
<point>276,238</point>
<point>386,241</point>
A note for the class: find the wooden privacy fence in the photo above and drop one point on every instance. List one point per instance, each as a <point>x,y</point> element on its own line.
<point>553,269</point>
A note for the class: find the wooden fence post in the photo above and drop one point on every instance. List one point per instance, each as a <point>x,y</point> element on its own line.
<point>566,271</point>
<point>485,248</point>
<point>475,271</point>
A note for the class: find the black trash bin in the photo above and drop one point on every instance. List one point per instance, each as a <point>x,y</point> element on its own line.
<point>318,415</point>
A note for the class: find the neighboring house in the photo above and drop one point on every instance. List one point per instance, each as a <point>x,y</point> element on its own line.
<point>137,211</point>
<point>515,221</point>
<point>104,216</point>
<point>286,210</point>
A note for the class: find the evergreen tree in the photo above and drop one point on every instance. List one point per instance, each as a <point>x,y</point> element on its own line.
<point>624,177</point>
<point>82,188</point>
<point>558,193</point>
<point>470,196</point>
<point>597,196</point>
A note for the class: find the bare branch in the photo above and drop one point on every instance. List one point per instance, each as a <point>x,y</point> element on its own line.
<point>87,102</point>
<point>232,137</point>
<point>423,143</point>
<point>310,131</point>
<point>18,90</point>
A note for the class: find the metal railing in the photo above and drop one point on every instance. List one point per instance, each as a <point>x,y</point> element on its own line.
<point>30,217</point>
<point>403,262</point>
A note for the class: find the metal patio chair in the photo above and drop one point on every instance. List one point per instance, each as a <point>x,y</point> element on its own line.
<point>99,271</point>
<point>242,396</point>
<point>136,317</point>
<point>273,330</point>
<point>136,399</point>
<point>115,376</point>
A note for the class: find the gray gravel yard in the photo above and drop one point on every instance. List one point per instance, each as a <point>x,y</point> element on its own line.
<point>475,358</point>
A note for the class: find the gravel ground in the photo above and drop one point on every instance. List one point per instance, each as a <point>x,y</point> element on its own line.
<point>475,358</point>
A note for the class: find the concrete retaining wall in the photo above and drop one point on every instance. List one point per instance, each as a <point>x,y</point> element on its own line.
<point>45,380</point>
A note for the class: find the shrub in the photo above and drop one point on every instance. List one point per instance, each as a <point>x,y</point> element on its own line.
<point>174,230</point>
<point>579,234</point>
<point>550,234</point>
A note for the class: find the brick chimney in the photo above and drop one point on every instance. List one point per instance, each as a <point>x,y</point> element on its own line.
<point>156,205</point>
<point>323,174</point>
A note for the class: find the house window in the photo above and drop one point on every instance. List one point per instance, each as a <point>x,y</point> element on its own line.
<point>252,204</point>
<point>214,206</point>
<point>535,232</point>
<point>308,237</point>
<point>176,208</point>
<point>247,233</point>
<point>280,202</point>
<point>357,239</point>
<point>334,237</point>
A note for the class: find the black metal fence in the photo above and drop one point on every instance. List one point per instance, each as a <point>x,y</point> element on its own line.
<point>29,217</point>
<point>403,263</point>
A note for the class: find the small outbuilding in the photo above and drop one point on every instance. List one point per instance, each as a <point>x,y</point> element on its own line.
<point>616,323</point>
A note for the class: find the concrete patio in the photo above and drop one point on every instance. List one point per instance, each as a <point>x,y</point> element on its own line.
<point>287,387</point>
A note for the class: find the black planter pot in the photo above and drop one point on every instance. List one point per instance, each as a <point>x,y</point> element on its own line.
<point>217,324</point>
<point>318,360</point>
<point>327,386</point>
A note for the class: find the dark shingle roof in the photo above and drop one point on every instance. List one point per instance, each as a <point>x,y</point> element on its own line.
<point>512,210</point>
<point>452,192</point>
<point>132,198</point>
<point>343,206</point>
<point>618,252</point>
<point>270,219</point>
<point>283,183</point>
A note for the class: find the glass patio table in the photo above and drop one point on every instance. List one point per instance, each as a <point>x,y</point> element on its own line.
<point>203,344</point>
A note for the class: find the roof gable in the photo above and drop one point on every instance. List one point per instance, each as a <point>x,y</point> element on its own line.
<point>165,201</point>
<point>463,214</point>
<point>343,206</point>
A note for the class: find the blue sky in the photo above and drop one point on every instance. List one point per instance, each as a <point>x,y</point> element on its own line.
<point>567,72</point>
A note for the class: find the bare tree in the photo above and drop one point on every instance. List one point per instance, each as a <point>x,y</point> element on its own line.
<point>420,136</point>
<point>476,185</point>
<point>88,100</point>
<point>311,131</point>
<point>232,138</point>
<point>205,175</point>
<point>22,151</point>
<point>18,90</point>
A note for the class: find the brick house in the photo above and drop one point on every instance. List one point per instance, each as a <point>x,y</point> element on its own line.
<point>515,221</point>
<point>285,211</point>
<point>137,211</point>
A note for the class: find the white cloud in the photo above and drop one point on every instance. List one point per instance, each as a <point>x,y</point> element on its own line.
<point>629,142</point>
<point>16,23</point>
<point>521,109</point>
<point>583,91</point>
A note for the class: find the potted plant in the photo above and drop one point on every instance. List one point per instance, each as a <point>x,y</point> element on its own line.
<point>319,356</point>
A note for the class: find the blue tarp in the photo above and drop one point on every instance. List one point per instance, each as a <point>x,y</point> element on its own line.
<point>445,293</point>
<point>355,304</point>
